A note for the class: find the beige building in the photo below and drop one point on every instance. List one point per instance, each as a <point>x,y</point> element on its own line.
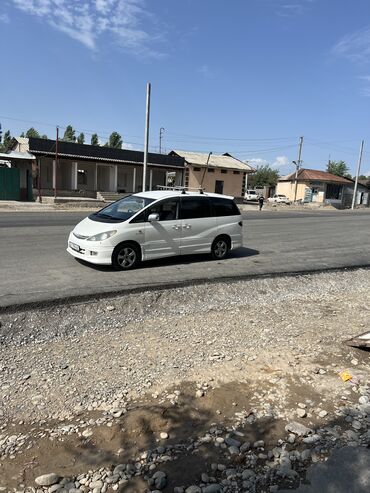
<point>314,186</point>
<point>215,173</point>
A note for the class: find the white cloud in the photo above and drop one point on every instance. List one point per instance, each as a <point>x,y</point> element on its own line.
<point>365,90</point>
<point>87,21</point>
<point>281,161</point>
<point>292,9</point>
<point>355,46</point>
<point>257,162</point>
<point>4,18</point>
<point>206,71</point>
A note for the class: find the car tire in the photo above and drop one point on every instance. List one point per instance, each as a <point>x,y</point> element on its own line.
<point>126,256</point>
<point>220,248</point>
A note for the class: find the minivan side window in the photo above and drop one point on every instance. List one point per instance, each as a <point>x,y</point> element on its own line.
<point>224,207</point>
<point>195,207</point>
<point>166,209</point>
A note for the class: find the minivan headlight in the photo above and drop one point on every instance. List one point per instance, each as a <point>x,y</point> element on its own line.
<point>102,236</point>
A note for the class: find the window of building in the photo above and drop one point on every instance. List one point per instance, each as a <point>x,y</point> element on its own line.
<point>196,169</point>
<point>211,170</point>
<point>333,192</point>
<point>224,171</point>
<point>81,177</point>
<point>236,172</point>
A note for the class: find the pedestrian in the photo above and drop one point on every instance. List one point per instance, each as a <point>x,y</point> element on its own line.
<point>260,202</point>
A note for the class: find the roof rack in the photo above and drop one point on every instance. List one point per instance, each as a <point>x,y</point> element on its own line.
<point>181,189</point>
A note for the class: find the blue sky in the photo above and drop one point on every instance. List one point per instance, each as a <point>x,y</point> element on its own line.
<point>247,77</point>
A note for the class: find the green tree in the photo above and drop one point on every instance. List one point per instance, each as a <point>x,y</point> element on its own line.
<point>32,132</point>
<point>81,138</point>
<point>69,134</point>
<point>6,142</point>
<point>44,136</point>
<point>94,140</point>
<point>338,168</point>
<point>115,140</point>
<point>22,135</point>
<point>265,176</point>
<point>364,177</point>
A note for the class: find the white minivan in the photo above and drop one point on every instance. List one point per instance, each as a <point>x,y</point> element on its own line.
<point>150,225</point>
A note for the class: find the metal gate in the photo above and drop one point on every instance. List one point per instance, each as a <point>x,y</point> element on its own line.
<point>10,188</point>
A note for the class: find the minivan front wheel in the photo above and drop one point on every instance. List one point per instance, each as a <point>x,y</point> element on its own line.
<point>220,248</point>
<point>125,256</point>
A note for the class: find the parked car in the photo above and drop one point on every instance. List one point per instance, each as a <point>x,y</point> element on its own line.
<point>157,224</point>
<point>279,199</point>
<point>250,195</point>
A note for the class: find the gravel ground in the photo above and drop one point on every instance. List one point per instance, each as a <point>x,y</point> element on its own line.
<point>239,353</point>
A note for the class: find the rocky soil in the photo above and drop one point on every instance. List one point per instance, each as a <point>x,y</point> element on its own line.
<point>214,388</point>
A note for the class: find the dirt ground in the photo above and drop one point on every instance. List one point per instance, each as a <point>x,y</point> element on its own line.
<point>204,384</point>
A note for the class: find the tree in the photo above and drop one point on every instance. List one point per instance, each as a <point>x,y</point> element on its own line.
<point>338,168</point>
<point>44,136</point>
<point>94,140</point>
<point>81,138</point>
<point>22,135</point>
<point>31,132</point>
<point>265,176</point>
<point>6,142</point>
<point>364,177</point>
<point>115,140</point>
<point>69,134</point>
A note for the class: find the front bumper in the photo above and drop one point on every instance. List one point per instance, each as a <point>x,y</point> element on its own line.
<point>92,252</point>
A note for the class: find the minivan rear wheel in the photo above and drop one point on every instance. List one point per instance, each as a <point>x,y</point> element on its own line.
<point>220,248</point>
<point>125,256</point>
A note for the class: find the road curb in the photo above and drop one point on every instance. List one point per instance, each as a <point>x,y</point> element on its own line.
<point>93,297</point>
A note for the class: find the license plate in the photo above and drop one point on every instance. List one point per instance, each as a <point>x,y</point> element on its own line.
<point>74,247</point>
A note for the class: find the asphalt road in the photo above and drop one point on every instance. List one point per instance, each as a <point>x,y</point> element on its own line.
<point>35,267</point>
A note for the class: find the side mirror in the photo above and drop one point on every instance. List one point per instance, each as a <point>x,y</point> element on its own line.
<point>153,217</point>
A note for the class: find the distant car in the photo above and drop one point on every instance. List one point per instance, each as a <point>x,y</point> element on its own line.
<point>279,199</point>
<point>251,195</point>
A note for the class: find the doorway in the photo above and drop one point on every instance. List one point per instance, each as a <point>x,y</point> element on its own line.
<point>219,187</point>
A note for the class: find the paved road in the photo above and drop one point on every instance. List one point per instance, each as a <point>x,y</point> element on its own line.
<point>35,267</point>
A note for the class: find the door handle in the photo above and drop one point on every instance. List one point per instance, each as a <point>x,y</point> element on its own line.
<point>176,226</point>
<point>186,226</point>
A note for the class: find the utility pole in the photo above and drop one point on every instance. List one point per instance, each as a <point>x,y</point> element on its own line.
<point>161,130</point>
<point>297,164</point>
<point>56,164</point>
<point>205,170</point>
<point>357,175</point>
<point>39,179</point>
<point>146,143</point>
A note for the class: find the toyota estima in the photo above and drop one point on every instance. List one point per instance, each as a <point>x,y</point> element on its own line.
<point>156,224</point>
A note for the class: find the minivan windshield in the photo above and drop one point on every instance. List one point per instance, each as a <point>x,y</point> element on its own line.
<point>122,209</point>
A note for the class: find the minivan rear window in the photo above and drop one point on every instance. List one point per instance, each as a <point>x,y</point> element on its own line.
<point>224,207</point>
<point>195,208</point>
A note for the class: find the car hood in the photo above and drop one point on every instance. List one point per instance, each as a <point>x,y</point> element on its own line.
<point>88,228</point>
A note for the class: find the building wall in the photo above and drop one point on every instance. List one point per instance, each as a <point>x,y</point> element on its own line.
<point>233,181</point>
<point>103,177</point>
<point>288,188</point>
